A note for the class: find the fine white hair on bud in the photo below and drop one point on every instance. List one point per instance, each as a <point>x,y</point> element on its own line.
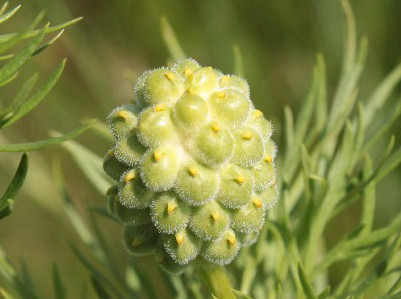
<point>193,164</point>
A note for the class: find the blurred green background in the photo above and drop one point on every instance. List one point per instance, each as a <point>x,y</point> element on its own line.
<point>118,40</point>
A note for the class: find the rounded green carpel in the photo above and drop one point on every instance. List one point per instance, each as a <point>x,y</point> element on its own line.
<point>269,196</point>
<point>128,215</point>
<point>159,168</point>
<point>264,173</point>
<point>112,195</point>
<point>248,239</point>
<point>223,250</point>
<point>270,149</point>
<point>169,214</point>
<point>133,193</point>
<point>186,67</point>
<point>112,166</point>
<point>234,82</point>
<point>209,221</point>
<point>165,262</point>
<point>249,147</point>
<point>203,81</point>
<point>190,112</point>
<point>129,150</point>
<point>139,90</point>
<point>163,86</point>
<point>193,165</point>
<point>139,239</point>
<point>122,120</point>
<point>155,126</point>
<point>230,106</point>
<point>182,246</point>
<point>213,145</point>
<point>196,184</point>
<point>260,124</point>
<point>249,218</point>
<point>236,186</point>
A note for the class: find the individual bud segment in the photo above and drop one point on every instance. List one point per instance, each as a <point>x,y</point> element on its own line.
<point>222,251</point>
<point>182,246</point>
<point>249,147</point>
<point>209,221</point>
<point>264,173</point>
<point>130,215</point>
<point>257,122</point>
<point>269,196</point>
<point>112,195</point>
<point>169,215</point>
<point>236,186</point>
<point>190,112</point>
<point>133,193</point>
<point>234,82</point>
<point>248,218</point>
<point>139,239</point>
<point>113,167</point>
<point>270,150</point>
<point>155,126</point>
<point>163,86</point>
<point>129,151</point>
<point>122,120</point>
<point>165,262</point>
<point>247,239</point>
<point>160,167</point>
<point>213,145</point>
<point>203,81</point>
<point>139,89</point>
<point>230,106</point>
<point>186,67</point>
<point>196,184</point>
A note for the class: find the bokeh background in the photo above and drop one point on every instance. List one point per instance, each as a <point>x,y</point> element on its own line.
<point>118,40</point>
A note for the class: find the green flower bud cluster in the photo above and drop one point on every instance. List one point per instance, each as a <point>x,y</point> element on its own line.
<point>193,164</point>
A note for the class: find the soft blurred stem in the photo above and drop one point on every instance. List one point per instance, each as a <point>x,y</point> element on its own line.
<point>217,281</point>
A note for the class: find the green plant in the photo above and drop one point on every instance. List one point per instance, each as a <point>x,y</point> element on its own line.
<point>24,101</point>
<point>324,167</point>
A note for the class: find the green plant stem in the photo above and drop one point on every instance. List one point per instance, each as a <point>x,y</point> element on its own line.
<point>217,281</point>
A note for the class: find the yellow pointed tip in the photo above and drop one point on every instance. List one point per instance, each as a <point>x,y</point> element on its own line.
<point>256,202</point>
<point>159,107</point>
<point>187,71</point>
<point>193,171</point>
<point>171,207</point>
<point>231,240</point>
<point>129,177</point>
<point>240,179</point>
<point>157,154</point>
<point>215,216</point>
<point>268,158</point>
<point>179,238</point>
<point>221,94</point>
<point>170,76</point>
<point>257,113</point>
<point>247,135</point>
<point>123,114</point>
<point>225,79</point>
<point>136,241</point>
<point>110,153</point>
<point>216,127</point>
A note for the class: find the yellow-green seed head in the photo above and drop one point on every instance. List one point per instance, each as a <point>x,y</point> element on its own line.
<point>193,164</point>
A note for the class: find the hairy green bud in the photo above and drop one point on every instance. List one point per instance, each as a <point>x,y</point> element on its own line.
<point>194,166</point>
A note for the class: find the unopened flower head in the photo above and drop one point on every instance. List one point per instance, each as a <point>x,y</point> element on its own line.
<point>193,164</point>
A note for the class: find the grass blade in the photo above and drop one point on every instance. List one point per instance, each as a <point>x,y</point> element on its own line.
<point>306,285</point>
<point>9,14</point>
<point>59,290</point>
<point>33,146</point>
<point>14,187</point>
<point>37,97</point>
<point>171,40</point>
